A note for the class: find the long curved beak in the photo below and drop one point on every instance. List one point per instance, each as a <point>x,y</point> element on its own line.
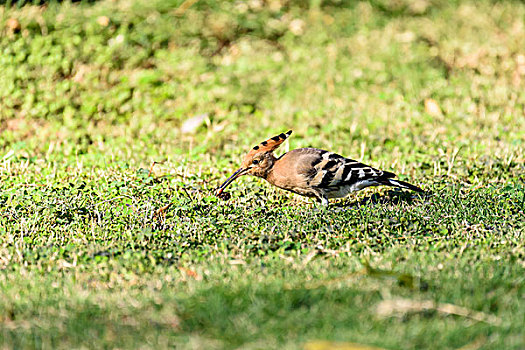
<point>235,175</point>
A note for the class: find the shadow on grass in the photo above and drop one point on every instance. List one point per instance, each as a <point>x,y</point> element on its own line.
<point>393,197</point>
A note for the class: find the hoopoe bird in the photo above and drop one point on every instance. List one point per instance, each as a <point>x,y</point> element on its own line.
<point>311,172</point>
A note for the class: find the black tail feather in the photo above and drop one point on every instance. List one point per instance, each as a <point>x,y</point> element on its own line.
<point>401,184</point>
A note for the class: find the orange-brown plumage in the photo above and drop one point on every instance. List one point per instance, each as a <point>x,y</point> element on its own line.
<point>311,172</point>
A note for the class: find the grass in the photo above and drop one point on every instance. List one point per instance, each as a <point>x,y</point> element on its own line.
<point>100,247</point>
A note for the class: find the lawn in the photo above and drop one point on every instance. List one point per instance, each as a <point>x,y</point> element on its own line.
<point>119,118</point>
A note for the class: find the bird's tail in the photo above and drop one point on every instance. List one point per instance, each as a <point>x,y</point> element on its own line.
<point>401,184</point>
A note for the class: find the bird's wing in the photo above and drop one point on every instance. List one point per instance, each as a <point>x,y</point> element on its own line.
<point>330,170</point>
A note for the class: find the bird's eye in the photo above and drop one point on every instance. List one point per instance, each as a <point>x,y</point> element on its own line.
<point>255,161</point>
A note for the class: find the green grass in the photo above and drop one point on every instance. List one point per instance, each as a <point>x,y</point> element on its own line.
<point>100,249</point>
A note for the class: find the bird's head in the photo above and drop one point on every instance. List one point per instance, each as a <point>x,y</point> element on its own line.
<point>258,161</point>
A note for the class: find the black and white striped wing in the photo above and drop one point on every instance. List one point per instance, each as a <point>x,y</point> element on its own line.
<point>332,172</point>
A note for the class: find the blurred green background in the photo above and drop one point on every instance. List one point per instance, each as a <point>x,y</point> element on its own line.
<point>118,118</point>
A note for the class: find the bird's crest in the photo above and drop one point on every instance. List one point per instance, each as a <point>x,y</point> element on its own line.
<point>270,144</point>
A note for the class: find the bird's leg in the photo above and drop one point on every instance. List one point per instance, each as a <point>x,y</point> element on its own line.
<point>321,199</point>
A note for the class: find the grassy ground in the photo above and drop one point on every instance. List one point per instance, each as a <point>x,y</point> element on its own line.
<point>100,249</point>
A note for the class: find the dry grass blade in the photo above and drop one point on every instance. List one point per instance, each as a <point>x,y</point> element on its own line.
<point>151,168</point>
<point>475,345</point>
<point>387,308</point>
<point>162,210</point>
<point>184,7</point>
